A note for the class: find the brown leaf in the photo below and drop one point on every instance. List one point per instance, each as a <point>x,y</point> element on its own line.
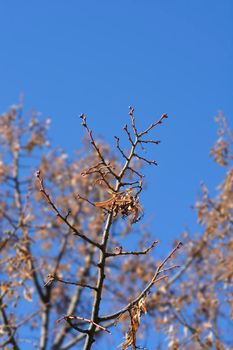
<point>135,317</point>
<point>27,295</point>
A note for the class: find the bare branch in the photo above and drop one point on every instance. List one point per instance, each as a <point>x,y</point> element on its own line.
<point>85,199</point>
<point>75,299</point>
<point>131,113</point>
<point>154,280</point>
<point>95,168</point>
<point>78,338</point>
<point>9,330</point>
<point>136,172</point>
<point>52,278</point>
<point>72,317</point>
<point>143,252</point>
<point>84,123</point>
<point>193,330</point>
<point>9,219</point>
<point>76,327</point>
<point>119,148</point>
<point>169,268</point>
<point>61,252</point>
<point>156,142</point>
<point>150,162</point>
<point>163,116</point>
<point>128,133</point>
<point>137,182</point>
<point>101,169</point>
<point>62,217</point>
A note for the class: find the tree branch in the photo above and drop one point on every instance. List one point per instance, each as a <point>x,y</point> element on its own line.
<point>84,123</point>
<point>154,280</point>
<point>52,278</point>
<point>62,217</point>
<point>72,317</point>
<point>8,327</point>
<point>145,251</point>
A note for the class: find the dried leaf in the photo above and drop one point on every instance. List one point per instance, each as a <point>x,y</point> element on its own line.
<point>123,203</point>
<point>27,295</point>
<point>135,316</point>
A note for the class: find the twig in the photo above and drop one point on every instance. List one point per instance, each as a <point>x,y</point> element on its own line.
<point>76,327</point>
<point>119,147</point>
<point>136,172</point>
<point>163,116</point>
<point>145,251</point>
<point>52,278</point>
<point>62,217</point>
<point>169,268</point>
<point>72,317</point>
<point>97,169</point>
<point>147,288</point>
<point>9,219</point>
<point>75,299</point>
<point>128,133</point>
<point>77,339</point>
<point>61,252</point>
<point>186,265</point>
<point>156,142</point>
<point>131,113</point>
<point>28,318</point>
<point>131,183</point>
<point>78,196</point>
<point>150,162</point>
<point>193,330</point>
<point>84,123</point>
<point>10,333</point>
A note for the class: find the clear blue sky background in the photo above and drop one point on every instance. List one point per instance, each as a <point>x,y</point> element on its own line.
<point>99,57</point>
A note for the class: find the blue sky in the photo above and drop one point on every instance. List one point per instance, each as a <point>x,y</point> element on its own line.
<point>99,57</point>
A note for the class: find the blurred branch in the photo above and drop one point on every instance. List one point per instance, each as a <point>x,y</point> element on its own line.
<point>10,330</point>
<point>75,300</point>
<point>62,217</point>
